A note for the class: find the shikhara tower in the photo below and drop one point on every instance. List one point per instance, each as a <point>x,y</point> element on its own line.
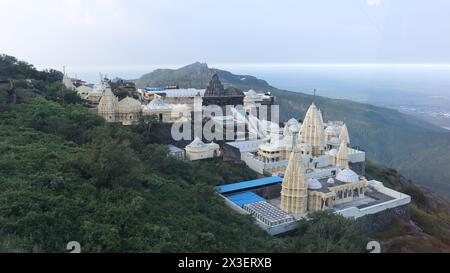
<point>342,156</point>
<point>344,136</point>
<point>313,131</point>
<point>108,105</point>
<point>294,193</point>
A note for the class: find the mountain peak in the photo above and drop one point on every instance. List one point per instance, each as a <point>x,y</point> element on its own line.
<point>196,65</point>
<point>198,75</point>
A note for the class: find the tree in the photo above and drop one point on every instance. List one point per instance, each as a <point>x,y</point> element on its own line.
<point>121,93</point>
<point>110,162</point>
<point>148,128</point>
<point>326,232</point>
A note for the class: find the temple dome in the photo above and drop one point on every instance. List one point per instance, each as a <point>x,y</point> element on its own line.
<point>156,104</point>
<point>334,141</point>
<point>347,176</point>
<point>331,181</point>
<point>294,125</point>
<point>333,130</point>
<point>196,144</point>
<point>251,94</point>
<point>129,105</point>
<point>314,184</point>
<point>84,91</point>
<point>333,152</point>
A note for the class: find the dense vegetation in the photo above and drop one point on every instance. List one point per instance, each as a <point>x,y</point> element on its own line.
<point>391,138</point>
<point>66,175</point>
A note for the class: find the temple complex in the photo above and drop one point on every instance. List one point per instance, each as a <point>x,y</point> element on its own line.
<point>307,167</point>
<point>319,143</point>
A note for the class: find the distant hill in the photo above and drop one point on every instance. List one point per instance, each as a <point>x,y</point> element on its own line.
<point>416,148</point>
<point>198,75</point>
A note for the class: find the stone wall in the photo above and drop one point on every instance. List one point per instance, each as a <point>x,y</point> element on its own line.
<point>223,101</point>
<point>231,153</point>
<point>378,221</point>
<point>359,168</point>
<point>270,192</point>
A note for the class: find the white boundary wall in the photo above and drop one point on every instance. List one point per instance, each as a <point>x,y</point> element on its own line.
<point>247,146</point>
<point>400,200</point>
<point>355,156</point>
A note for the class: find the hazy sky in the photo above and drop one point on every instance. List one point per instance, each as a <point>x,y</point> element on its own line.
<point>83,33</point>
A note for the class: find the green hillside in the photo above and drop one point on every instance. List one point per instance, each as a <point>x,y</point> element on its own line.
<point>418,149</point>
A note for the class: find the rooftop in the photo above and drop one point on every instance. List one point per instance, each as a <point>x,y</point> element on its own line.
<point>178,93</point>
<point>268,211</point>
<point>175,149</point>
<point>249,184</point>
<point>326,186</point>
<point>242,199</point>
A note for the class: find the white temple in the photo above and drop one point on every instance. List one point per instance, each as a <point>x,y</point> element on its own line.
<point>198,150</point>
<point>167,112</point>
<point>294,193</point>
<point>127,111</point>
<point>324,147</point>
<point>307,168</point>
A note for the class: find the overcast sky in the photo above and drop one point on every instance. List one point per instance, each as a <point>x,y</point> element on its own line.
<point>84,33</point>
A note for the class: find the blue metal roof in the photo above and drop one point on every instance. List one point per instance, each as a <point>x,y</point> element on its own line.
<point>250,184</point>
<point>245,198</point>
<point>155,88</point>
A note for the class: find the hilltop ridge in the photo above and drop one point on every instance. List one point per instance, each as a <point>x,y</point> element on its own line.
<point>198,75</point>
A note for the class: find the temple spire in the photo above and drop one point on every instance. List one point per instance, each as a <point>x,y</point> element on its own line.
<point>344,136</point>
<point>313,131</point>
<point>294,193</point>
<point>342,156</point>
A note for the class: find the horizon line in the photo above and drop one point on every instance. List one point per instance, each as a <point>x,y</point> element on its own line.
<point>152,67</point>
<point>335,64</point>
